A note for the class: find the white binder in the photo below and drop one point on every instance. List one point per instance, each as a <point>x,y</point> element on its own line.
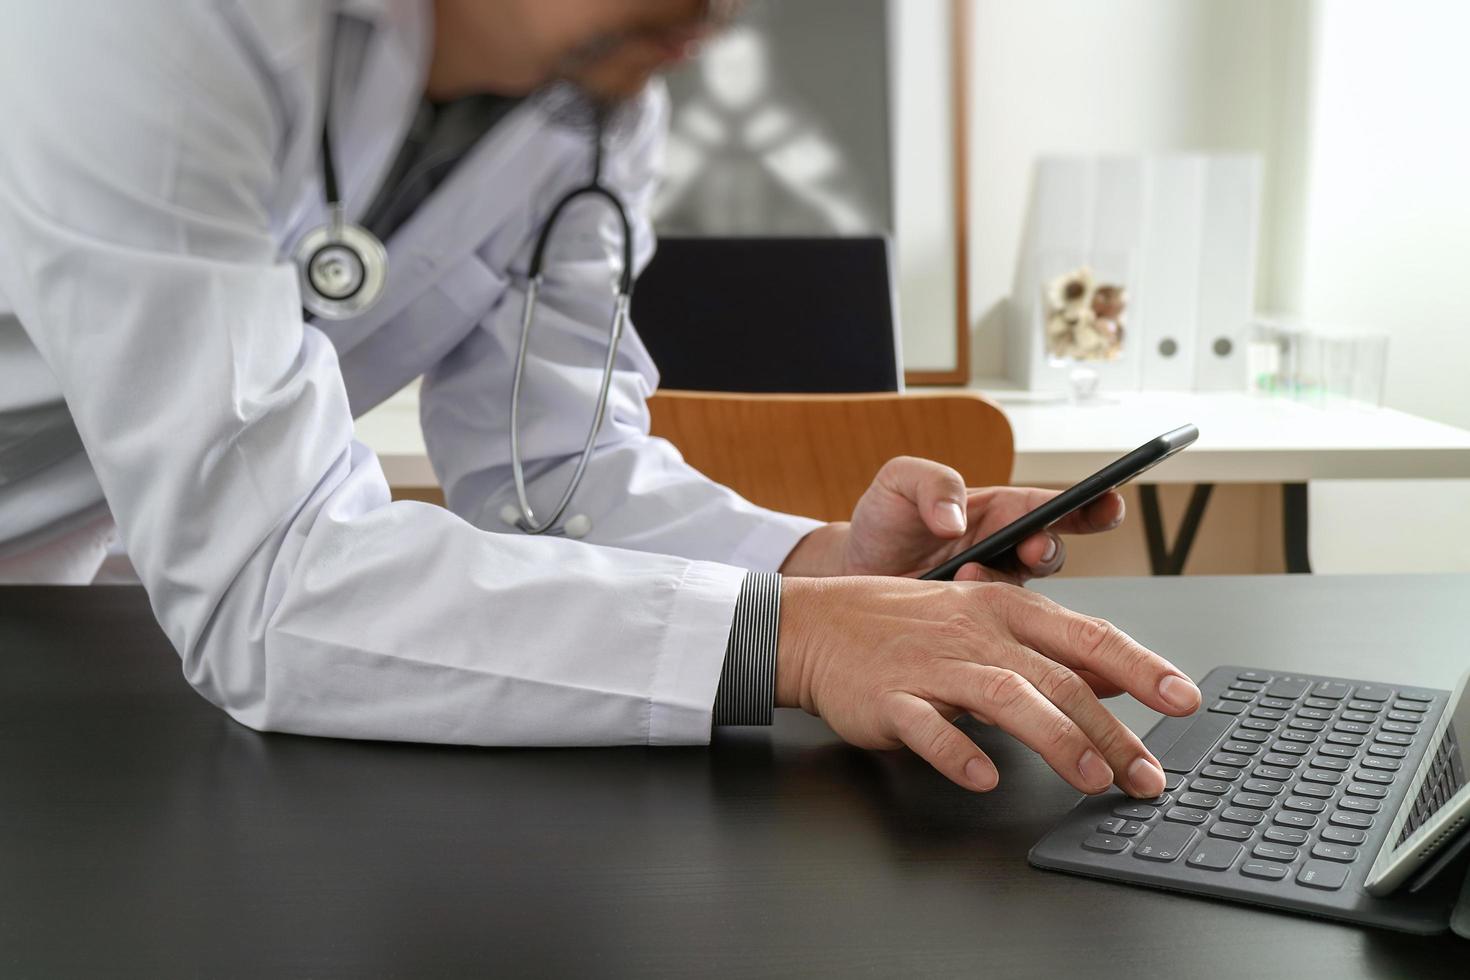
<point>1178,231</point>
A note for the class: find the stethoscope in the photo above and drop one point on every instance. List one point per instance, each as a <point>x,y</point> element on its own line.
<point>344,270</point>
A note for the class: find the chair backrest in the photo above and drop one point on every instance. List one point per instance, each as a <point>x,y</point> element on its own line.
<point>815,454</point>
<point>770,314</point>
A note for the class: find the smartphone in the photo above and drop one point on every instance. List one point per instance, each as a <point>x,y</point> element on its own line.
<point>999,550</point>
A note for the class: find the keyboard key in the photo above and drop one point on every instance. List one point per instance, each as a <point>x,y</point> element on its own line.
<point>1391,751</point>
<point>1220,772</point>
<point>1195,743</point>
<point>1343,835</point>
<point>1393,738</point>
<point>1230,759</point>
<point>1357,820</point>
<point>1228,707</point>
<point>1314,790</point>
<point>1404,716</point>
<point>1237,696</point>
<point>1338,751</point>
<point>1240,814</point>
<point>1165,842</point>
<point>1353,727</point>
<point>1386,765</point>
<point>1331,689</point>
<point>1249,735</point>
<point>1367,789</point>
<point>1372,692</point>
<point>1202,801</point>
<point>1259,725</point>
<point>1263,869</point>
<point>1251,686</point>
<point>1275,852</point>
<point>1172,781</point>
<point>1291,818</point>
<point>1358,804</point>
<point>1307,724</point>
<point>1183,814</point>
<point>1272,772</point>
<point>1287,687</point>
<point>1253,675</point>
<point>1297,735</point>
<point>1231,831</point>
<point>1321,704</point>
<point>1322,874</point>
<point>1241,748</point>
<point>1372,776</point>
<point>1367,717</point>
<point>1214,855</point>
<point>1256,801</point>
<point>1286,835</point>
<point>1111,825</point>
<point>1270,714</point>
<point>1290,748</point>
<point>1161,801</point>
<point>1131,828</point>
<point>1261,786</point>
<point>1410,706</point>
<point>1280,703</point>
<point>1334,852</point>
<point>1324,776</point>
<point>1134,811</point>
<point>1401,727</point>
<point>1106,843</point>
<point>1415,696</point>
<point>1364,706</point>
<point>1316,714</point>
<point>1305,804</point>
<point>1343,738</point>
<point>1327,762</point>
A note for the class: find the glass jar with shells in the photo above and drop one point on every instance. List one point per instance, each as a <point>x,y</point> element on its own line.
<point>1083,314</point>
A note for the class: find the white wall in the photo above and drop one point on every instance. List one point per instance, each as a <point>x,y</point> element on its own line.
<point>1387,246</point>
<point>1121,76</point>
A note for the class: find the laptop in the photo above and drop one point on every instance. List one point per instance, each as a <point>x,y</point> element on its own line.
<point>1320,795</point>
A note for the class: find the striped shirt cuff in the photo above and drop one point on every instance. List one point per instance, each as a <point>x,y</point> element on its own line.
<point>747,691</point>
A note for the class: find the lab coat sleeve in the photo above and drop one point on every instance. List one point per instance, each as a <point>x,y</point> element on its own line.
<point>638,492</point>
<point>142,142</point>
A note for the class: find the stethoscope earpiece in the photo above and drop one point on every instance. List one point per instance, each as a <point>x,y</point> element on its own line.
<point>577,526</point>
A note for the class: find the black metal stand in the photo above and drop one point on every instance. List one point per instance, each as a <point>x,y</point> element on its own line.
<point>1294,527</point>
<point>1161,559</point>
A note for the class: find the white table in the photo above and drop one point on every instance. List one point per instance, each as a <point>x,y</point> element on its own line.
<point>1243,439</point>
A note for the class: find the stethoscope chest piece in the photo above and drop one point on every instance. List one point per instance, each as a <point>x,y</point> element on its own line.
<point>343,269</point>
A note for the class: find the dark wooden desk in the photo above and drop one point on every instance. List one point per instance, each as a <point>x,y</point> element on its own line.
<point>142,833</point>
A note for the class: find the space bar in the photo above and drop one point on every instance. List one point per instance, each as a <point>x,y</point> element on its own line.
<point>1195,744</point>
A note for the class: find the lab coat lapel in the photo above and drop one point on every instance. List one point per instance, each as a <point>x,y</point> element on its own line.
<point>484,190</point>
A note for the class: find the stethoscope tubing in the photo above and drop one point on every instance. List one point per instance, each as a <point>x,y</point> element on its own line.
<point>342,240</point>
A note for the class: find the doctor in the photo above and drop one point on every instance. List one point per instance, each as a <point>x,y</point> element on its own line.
<point>161,162</point>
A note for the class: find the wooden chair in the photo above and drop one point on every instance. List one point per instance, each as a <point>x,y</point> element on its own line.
<point>815,454</point>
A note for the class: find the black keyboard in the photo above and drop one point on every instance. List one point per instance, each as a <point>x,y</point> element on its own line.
<point>1279,792</point>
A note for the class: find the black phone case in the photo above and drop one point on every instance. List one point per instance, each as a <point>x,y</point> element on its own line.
<point>998,551</point>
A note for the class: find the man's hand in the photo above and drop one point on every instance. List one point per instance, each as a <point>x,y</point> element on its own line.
<point>893,661</point>
<point>918,513</point>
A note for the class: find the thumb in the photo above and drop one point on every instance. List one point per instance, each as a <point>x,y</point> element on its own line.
<point>936,491</point>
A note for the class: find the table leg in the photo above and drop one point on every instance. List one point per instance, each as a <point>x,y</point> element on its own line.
<point>1161,559</point>
<point>1294,527</point>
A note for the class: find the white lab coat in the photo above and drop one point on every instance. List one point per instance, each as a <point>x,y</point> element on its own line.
<point>159,160</point>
